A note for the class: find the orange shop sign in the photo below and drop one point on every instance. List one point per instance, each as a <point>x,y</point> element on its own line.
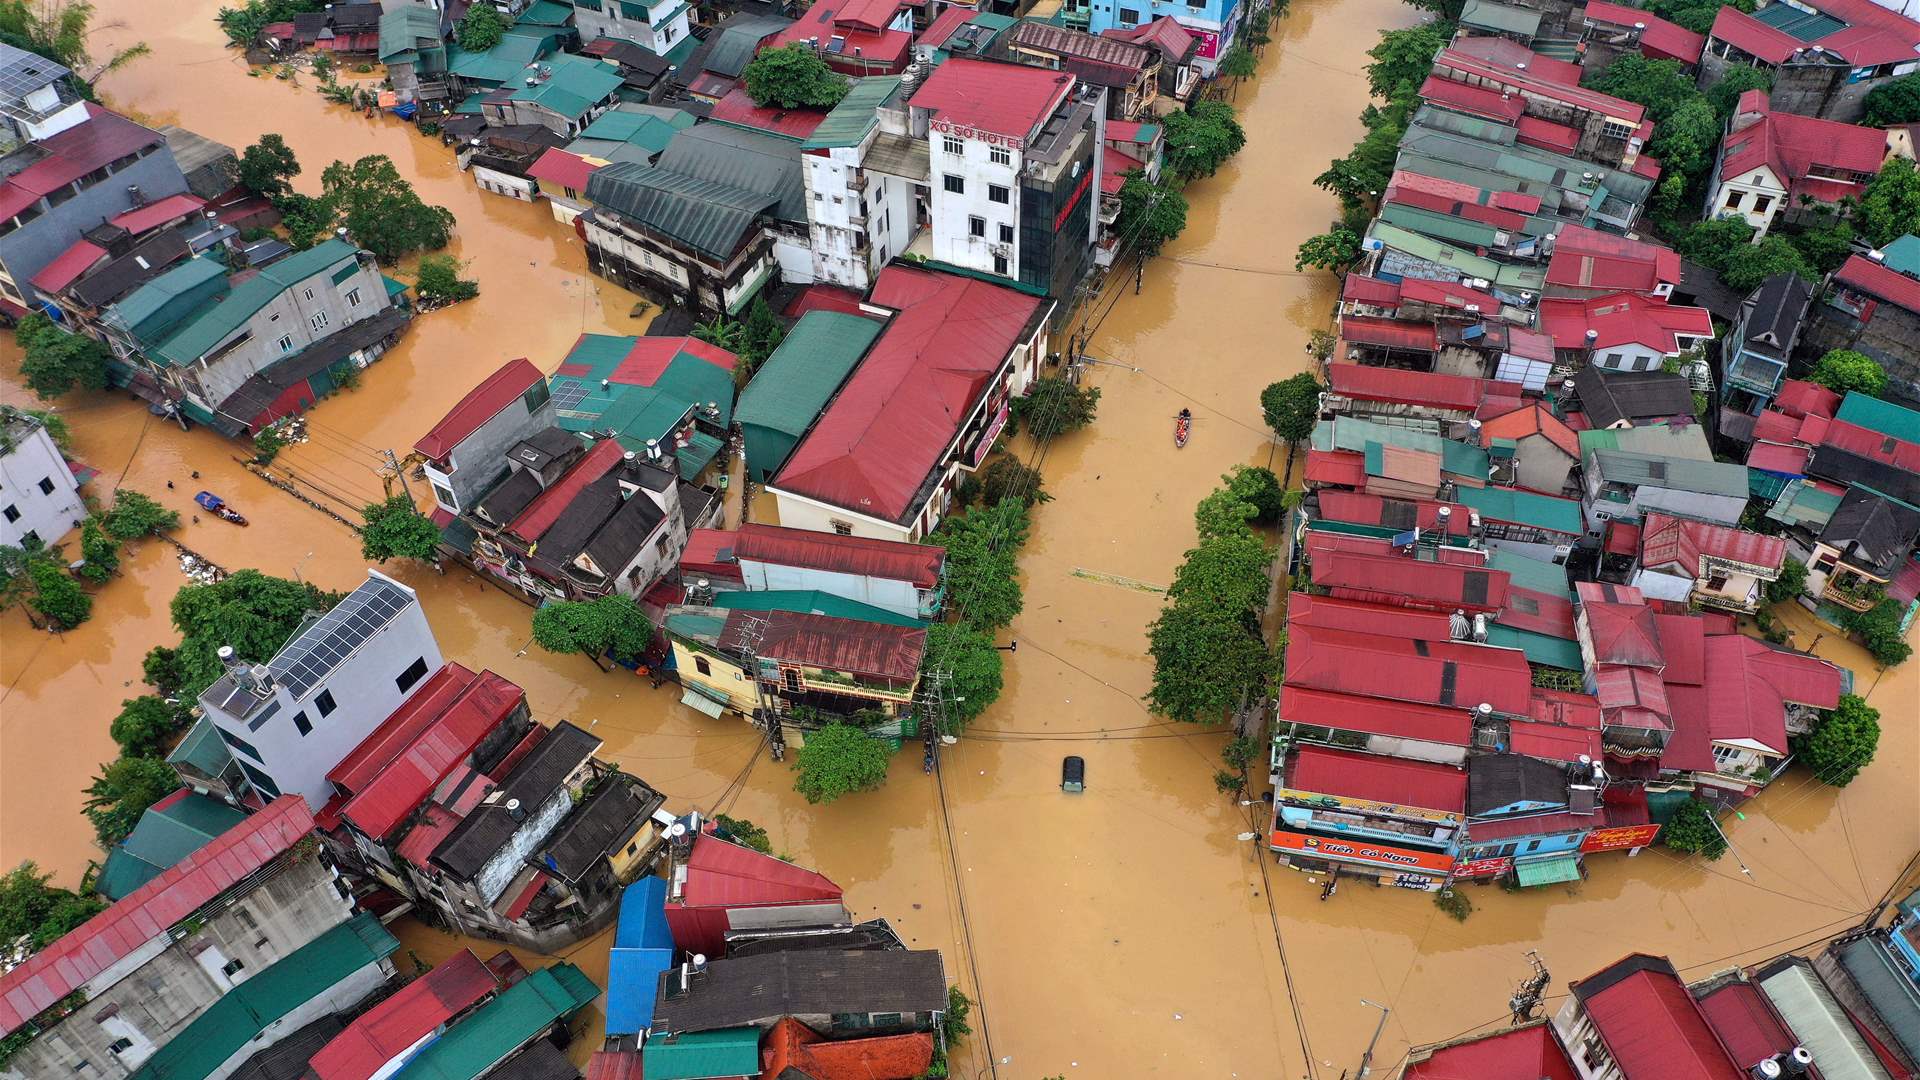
<point>1479,868</point>
<point>1362,851</point>
<point>1630,836</point>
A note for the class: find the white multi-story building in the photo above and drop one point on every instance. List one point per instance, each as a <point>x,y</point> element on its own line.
<point>866,181</point>
<point>290,720</point>
<point>39,496</point>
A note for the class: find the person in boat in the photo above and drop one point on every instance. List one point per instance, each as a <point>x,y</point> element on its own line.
<point>1186,414</point>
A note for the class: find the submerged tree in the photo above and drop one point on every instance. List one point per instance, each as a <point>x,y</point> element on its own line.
<point>1842,741</point>
<point>123,791</point>
<point>55,361</point>
<point>974,668</point>
<point>60,30</point>
<point>382,211</point>
<point>837,760</point>
<point>43,913</point>
<point>268,167</point>
<point>1292,406</point>
<point>1692,829</point>
<point>481,29</point>
<point>395,529</point>
<point>1053,406</point>
<point>607,626</point>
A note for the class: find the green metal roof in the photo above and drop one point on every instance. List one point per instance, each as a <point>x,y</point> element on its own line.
<point>501,1026</point>
<point>1429,249</point>
<point>698,1054</point>
<point>1353,434</point>
<point>213,322</point>
<point>706,215</point>
<point>167,833</point>
<point>1676,474</point>
<point>402,28</point>
<point>545,13</point>
<point>1803,504</point>
<point>573,84</point>
<point>249,1008</point>
<point>635,412</point>
<point>1540,648</point>
<point>647,126</point>
<point>203,749</point>
<point>1548,871</point>
<point>700,451</point>
<point>1523,507</point>
<point>1536,574</point>
<point>1664,440</point>
<point>1882,416</point>
<point>734,44</point>
<point>811,602</point>
<point>695,626</point>
<point>1903,255</point>
<point>150,309</point>
<point>857,113</point>
<point>505,61</point>
<point>791,389</point>
<point>1486,15</point>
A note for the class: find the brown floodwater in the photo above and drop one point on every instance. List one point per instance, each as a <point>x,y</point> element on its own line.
<point>1126,931</point>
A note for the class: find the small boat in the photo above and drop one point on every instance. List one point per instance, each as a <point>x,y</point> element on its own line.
<point>218,508</point>
<point>1182,427</point>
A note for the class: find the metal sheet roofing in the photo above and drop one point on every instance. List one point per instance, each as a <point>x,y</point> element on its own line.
<point>810,602</point>
<point>847,123</point>
<point>1520,507</point>
<point>68,266</point>
<point>1650,1024</point>
<point>158,213</point>
<point>738,108</point>
<point>864,556</point>
<point>1402,514</point>
<point>107,938</point>
<point>1457,674</point>
<point>1005,99</point>
<point>1326,771</point>
<point>694,1054</point>
<point>726,875</point>
<point>1333,613</point>
<point>1882,416</point>
<point>1528,1053</point>
<point>843,645</point>
<point>66,156</point>
<point>519,1014</point>
<point>1387,333</point>
<point>213,323</point>
<point>249,1009</point>
<point>805,372</point>
<point>481,404</point>
<point>383,1033</point>
<point>569,85</point>
<point>170,830</point>
<point>1368,383</point>
<point>1410,582</point>
<point>894,419</point>
<point>429,736</point>
<point>1817,1018</point>
<point>1376,716</point>
<point>709,216</point>
<point>1659,39</point>
<point>1678,474</point>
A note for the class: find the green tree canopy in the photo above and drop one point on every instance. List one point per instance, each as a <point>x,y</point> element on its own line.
<point>481,30</point>
<point>1202,138</point>
<point>1890,206</point>
<point>58,598</point>
<point>55,361</point>
<point>1151,215</point>
<point>982,571</point>
<point>1890,103</point>
<point>1663,86</point>
<point>1402,58</point>
<point>745,833</point>
<point>1879,631</point>
<point>395,529</point>
<point>144,725</point>
<point>134,515</point>
<point>307,220</point>
<point>1696,15</point>
<point>255,613</point>
<point>1053,406</point>
<point>1688,138</point>
<point>1259,487</point>
<point>1239,63</point>
<point>1792,579</point>
<point>1738,79</point>
<point>1292,406</point>
<point>123,791</point>
<point>610,626</point>
<point>1844,371</point>
<point>99,552</point>
<point>1334,250</point>
<point>61,30</point>
<point>1227,574</point>
<point>793,77</point>
<point>1007,477</point>
<point>1692,829</point>
<point>243,24</point>
<point>837,760</point>
<point>268,167</point>
<point>969,657</point>
<point>1842,741</point>
<point>438,280</point>
<point>1204,660</point>
<point>382,211</point>
<point>1774,254</point>
<point>30,907</point>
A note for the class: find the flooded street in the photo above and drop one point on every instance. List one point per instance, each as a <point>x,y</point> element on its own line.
<point>1122,932</point>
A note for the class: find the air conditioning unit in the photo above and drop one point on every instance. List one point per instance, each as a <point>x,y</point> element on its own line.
<point>1004,250</point>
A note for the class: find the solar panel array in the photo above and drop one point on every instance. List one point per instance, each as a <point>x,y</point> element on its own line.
<point>314,654</point>
<point>568,395</point>
<point>22,72</point>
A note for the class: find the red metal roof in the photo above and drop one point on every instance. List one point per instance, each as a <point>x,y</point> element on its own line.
<point>1362,289</point>
<point>1632,696</point>
<point>1450,294</point>
<point>1362,509</point>
<point>155,214</point>
<point>951,18</point>
<point>547,507</point>
<point>1387,333</point>
<point>862,51</point>
<point>1005,99</point>
<point>1683,640</point>
<point>1455,207</point>
<point>1365,383</point>
<point>1458,191</point>
<point>1556,741</point>
<point>1537,79</point>
<point>562,169</point>
<point>1780,458</point>
<point>445,731</point>
<point>1376,716</point>
<point>1341,467</point>
<point>1652,1026</point>
<point>1798,397</point>
<point>738,108</point>
<point>1164,33</point>
<point>67,267</point>
<point>436,822</point>
<point>894,419</point>
<point>1509,55</point>
<point>614,1065</point>
<point>147,912</point>
<point>1868,443</point>
<point>1538,612</point>
<point>1792,147</point>
<point>1622,633</point>
<point>66,156</point>
<point>864,556</point>
<point>1740,1015</point>
<point>1547,135</point>
<point>721,874</point>
<point>391,1028</point>
<point>1659,39</point>
<point>847,645</point>
<point>399,729</point>
<point>1590,259</point>
<point>1533,825</point>
<point>1892,286</point>
<point>1751,36</point>
<point>1326,771</point>
<point>1622,538</point>
<point>1623,319</point>
<point>829,297</point>
<point>1529,1053</point>
<point>1406,582</point>
<point>1750,683</point>
<point>1670,541</point>
<point>1534,419</point>
<point>1775,426</point>
<point>1449,673</point>
<point>868,14</point>
<point>1473,100</point>
<point>524,898</point>
<point>482,403</point>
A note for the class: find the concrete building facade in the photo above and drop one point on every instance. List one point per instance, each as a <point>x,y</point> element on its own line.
<point>39,495</point>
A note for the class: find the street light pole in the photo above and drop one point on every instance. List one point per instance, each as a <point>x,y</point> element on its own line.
<point>1366,1059</point>
<point>1729,842</point>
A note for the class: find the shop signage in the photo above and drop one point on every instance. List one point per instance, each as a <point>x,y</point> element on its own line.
<point>1630,836</point>
<point>1479,868</point>
<point>1209,43</point>
<point>991,434</point>
<point>1362,851</point>
<point>1363,806</point>
<point>967,131</point>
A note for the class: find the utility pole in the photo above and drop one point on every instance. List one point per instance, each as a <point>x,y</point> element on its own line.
<point>766,709</point>
<point>933,712</point>
<point>393,462</point>
<point>1526,997</point>
<point>1729,840</point>
<point>1366,1059</point>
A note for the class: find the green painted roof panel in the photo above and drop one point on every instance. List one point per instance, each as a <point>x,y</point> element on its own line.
<point>1536,574</point>
<point>505,61</point>
<point>165,834</point>
<point>1882,416</point>
<point>1540,648</point>
<point>811,602</point>
<point>698,1054</point>
<point>202,749</point>
<point>1486,15</point>
<point>804,373</point>
<point>857,113</point>
<point>501,1026</point>
<point>707,215</point>
<point>572,85</point>
<point>151,308</point>
<point>214,322</point>
<point>1523,507</point>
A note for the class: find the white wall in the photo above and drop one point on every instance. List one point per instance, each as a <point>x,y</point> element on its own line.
<point>800,512</point>
<point>952,213</point>
<point>49,515</point>
<point>899,597</point>
<point>1628,357</point>
<point>1746,189</point>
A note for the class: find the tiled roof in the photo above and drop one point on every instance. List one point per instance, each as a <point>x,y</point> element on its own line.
<point>791,1045</point>
<point>1533,419</point>
<point>876,443</point>
<point>1005,99</point>
<point>1326,771</point>
<point>116,933</point>
<point>481,404</point>
<point>1164,33</point>
<point>1650,1024</point>
<point>387,1031</point>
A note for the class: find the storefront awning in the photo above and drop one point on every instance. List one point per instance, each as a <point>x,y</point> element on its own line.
<point>1548,871</point>
<point>705,704</point>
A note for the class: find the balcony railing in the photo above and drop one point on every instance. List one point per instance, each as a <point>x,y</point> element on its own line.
<point>1852,592</point>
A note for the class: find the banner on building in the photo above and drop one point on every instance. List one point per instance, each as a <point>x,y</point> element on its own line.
<point>1630,836</point>
<point>1209,43</point>
<point>1362,851</point>
<point>1481,868</point>
<point>1364,806</point>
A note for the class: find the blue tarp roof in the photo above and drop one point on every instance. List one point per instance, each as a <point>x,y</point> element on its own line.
<point>642,949</point>
<point>643,916</point>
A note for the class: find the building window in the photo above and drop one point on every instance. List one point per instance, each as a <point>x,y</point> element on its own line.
<point>318,320</point>
<point>1733,200</point>
<point>954,184</point>
<point>414,673</point>
<point>700,665</point>
<point>261,781</point>
<point>285,343</point>
<point>119,1045</point>
<point>996,193</point>
<point>324,703</point>
<point>11,513</point>
<point>232,968</point>
<point>353,295</point>
<point>1129,17</point>
<point>844,528</point>
<point>46,485</point>
<point>239,744</point>
<point>1761,202</point>
<point>245,917</point>
<point>308,293</point>
<point>1000,265</point>
<point>301,724</point>
<point>1000,155</point>
<point>1006,233</point>
<point>1614,130</point>
<point>977,226</point>
<point>953,146</point>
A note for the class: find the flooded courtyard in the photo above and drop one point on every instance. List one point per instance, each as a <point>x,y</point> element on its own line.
<point>1127,931</point>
